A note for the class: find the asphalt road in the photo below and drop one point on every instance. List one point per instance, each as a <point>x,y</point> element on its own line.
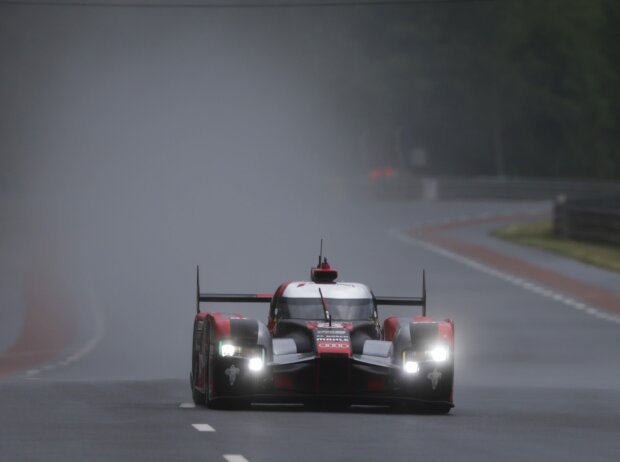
<point>535,380</point>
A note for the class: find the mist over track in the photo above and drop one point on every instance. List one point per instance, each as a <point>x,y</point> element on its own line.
<point>532,374</point>
<point>136,145</point>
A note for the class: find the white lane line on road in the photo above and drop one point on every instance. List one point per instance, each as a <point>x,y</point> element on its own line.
<point>203,427</point>
<point>235,458</point>
<point>187,405</point>
<point>522,283</point>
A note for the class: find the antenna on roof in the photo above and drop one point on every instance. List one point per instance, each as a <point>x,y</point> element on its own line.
<point>320,254</point>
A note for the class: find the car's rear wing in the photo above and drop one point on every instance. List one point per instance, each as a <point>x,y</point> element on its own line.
<point>407,301</point>
<point>227,298</point>
<point>266,298</point>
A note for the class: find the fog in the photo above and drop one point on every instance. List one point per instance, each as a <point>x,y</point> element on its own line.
<point>139,143</point>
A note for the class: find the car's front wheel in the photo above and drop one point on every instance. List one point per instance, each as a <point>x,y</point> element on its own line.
<point>211,404</point>
<point>198,397</point>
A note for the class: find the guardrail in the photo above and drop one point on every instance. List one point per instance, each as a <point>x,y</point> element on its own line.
<point>404,186</point>
<point>590,219</point>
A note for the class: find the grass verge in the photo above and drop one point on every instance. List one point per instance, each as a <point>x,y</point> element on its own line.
<point>539,234</point>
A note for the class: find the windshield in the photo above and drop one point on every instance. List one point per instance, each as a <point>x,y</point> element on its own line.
<point>341,309</point>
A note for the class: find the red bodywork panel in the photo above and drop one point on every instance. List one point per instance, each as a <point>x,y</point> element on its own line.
<point>445,328</point>
<point>221,325</point>
<point>220,322</point>
<point>446,332</point>
<point>390,327</point>
<point>333,348</point>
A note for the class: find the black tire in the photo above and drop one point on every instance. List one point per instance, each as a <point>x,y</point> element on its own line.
<point>211,404</point>
<point>198,397</point>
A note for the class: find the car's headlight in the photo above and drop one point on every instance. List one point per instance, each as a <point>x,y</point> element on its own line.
<point>411,367</point>
<point>438,353</point>
<point>256,364</point>
<point>255,354</point>
<point>228,349</point>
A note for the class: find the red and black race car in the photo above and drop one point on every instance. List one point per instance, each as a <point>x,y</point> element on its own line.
<point>323,342</point>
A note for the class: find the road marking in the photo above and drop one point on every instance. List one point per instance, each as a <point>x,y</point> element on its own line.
<point>520,282</point>
<point>187,405</point>
<point>203,427</point>
<point>235,458</point>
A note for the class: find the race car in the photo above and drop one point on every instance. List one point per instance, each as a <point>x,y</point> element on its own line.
<point>323,342</point>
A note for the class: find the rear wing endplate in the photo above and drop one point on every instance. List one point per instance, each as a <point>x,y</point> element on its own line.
<point>407,301</point>
<point>227,298</point>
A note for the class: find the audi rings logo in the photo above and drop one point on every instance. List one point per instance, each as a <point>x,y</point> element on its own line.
<point>344,346</point>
